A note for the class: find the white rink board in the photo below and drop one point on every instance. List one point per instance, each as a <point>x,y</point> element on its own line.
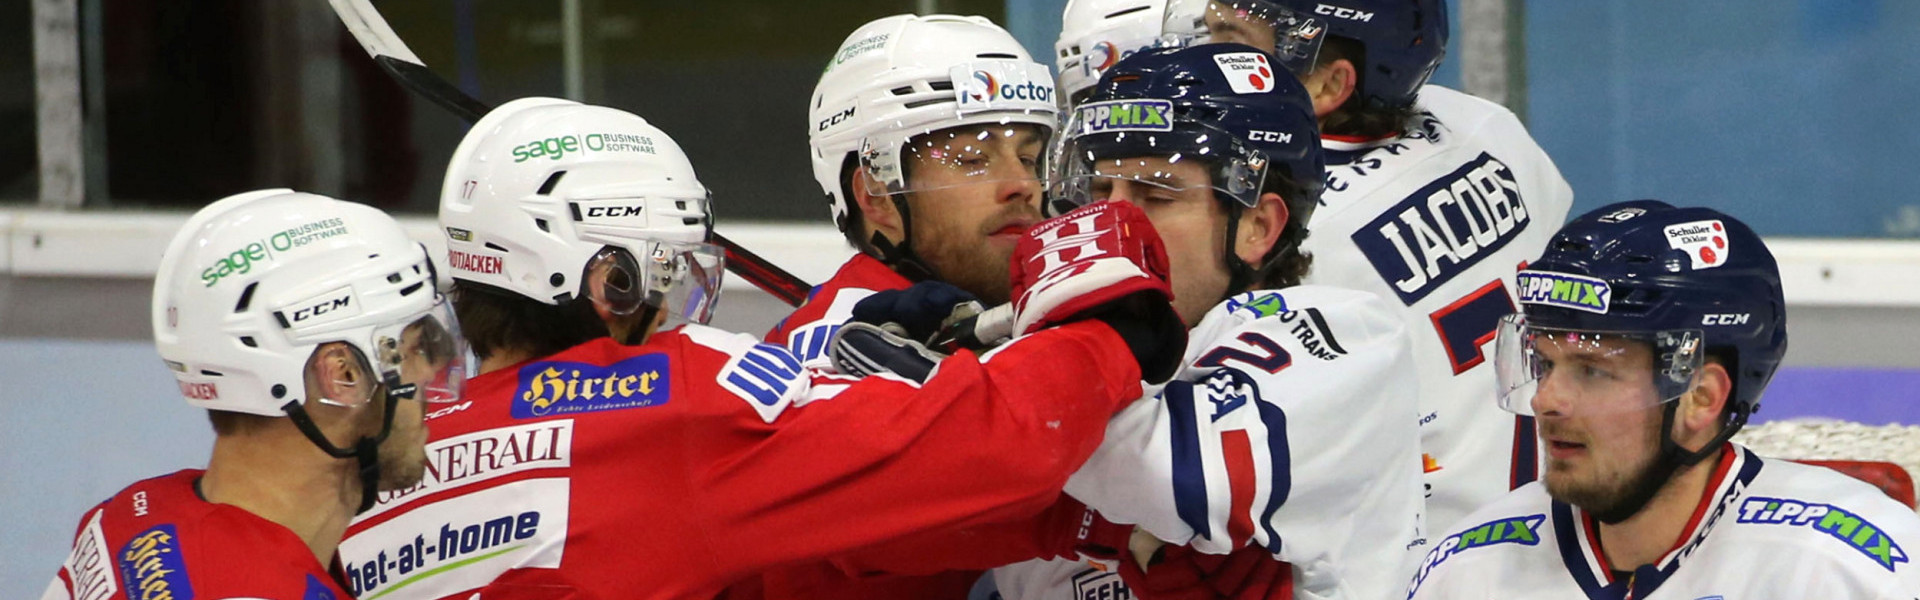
<point>42,243</point>
<point>1816,272</point>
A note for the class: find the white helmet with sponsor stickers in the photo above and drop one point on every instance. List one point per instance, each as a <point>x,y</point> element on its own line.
<point>253,284</point>
<point>904,76</point>
<point>1095,34</point>
<point>541,187</point>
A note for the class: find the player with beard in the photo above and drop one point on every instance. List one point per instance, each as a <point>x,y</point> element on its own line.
<point>1433,197</point>
<point>933,184</point>
<point>1645,338</point>
<point>604,456</point>
<point>310,330</point>
<point>1282,461</point>
<point>929,135</point>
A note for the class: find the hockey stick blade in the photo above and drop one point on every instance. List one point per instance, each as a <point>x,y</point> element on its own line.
<point>371,30</point>
<point>423,82</point>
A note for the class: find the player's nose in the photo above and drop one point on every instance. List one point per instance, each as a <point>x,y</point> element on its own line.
<point>1552,398</point>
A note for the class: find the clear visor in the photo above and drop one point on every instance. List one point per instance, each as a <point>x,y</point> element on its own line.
<point>681,279</point>
<point>1291,36</point>
<point>1133,143</point>
<point>975,155</point>
<point>1578,373</point>
<point>424,358</point>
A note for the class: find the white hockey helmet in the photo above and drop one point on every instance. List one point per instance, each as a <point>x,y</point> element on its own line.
<point>1095,34</point>
<point>904,76</point>
<point>253,284</point>
<point>542,187</point>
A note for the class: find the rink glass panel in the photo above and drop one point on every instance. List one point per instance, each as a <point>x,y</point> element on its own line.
<point>206,98</point>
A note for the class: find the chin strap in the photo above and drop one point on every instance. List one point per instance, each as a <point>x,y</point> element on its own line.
<point>365,452</point>
<point>1672,458</point>
<point>900,257</point>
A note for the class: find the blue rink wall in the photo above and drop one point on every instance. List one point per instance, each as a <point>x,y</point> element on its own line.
<point>1796,115</point>
<point>86,418</point>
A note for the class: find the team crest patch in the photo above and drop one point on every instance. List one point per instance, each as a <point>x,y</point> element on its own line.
<point>1257,305</point>
<point>549,388</point>
<point>1124,115</point>
<point>1563,290</point>
<point>1848,527</point>
<point>152,564</point>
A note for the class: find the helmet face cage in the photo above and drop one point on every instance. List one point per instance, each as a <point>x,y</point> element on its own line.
<point>1592,372</point>
<point>1291,36</point>
<point>682,279</point>
<point>1141,141</point>
<point>424,358</point>
<point>968,155</point>
<point>994,101</point>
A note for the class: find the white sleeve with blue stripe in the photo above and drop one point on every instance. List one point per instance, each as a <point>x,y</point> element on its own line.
<point>1293,426</point>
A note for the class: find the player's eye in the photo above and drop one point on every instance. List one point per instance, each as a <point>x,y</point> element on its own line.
<point>1593,372</point>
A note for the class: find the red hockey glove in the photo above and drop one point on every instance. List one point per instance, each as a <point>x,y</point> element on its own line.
<point>1102,261</point>
<point>1181,573</point>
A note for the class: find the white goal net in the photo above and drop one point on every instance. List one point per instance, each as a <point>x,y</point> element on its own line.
<point>1828,439</point>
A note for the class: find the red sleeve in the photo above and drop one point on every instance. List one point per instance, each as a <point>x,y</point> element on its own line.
<point>1058,531</point>
<point>863,462</point>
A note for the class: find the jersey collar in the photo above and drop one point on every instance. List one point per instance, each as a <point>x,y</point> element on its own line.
<point>1344,149</point>
<point>1578,537</point>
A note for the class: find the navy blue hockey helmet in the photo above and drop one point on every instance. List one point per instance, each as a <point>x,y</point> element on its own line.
<point>1402,40</point>
<point>1225,106</point>
<point>1221,104</point>
<point>1689,281</point>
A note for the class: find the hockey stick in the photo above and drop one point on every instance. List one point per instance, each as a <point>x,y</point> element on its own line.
<point>980,331</point>
<point>392,54</point>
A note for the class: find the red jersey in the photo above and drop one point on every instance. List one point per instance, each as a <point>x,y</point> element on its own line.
<point>701,458</point>
<point>930,565</point>
<point>807,331</point>
<point>158,540</point>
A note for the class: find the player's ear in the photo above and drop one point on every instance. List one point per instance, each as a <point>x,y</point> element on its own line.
<point>334,373</point>
<point>1698,417</point>
<point>1260,228</point>
<point>878,212</point>
<point>1331,84</point>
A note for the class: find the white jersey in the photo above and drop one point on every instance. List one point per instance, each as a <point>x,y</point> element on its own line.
<point>1765,529</point>
<point>1439,220</point>
<point>1292,426</point>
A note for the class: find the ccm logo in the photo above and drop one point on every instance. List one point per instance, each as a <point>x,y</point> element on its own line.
<point>322,308</point>
<point>837,118</point>
<point>1344,13</point>
<point>1726,319</point>
<point>1270,136</point>
<point>614,211</point>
